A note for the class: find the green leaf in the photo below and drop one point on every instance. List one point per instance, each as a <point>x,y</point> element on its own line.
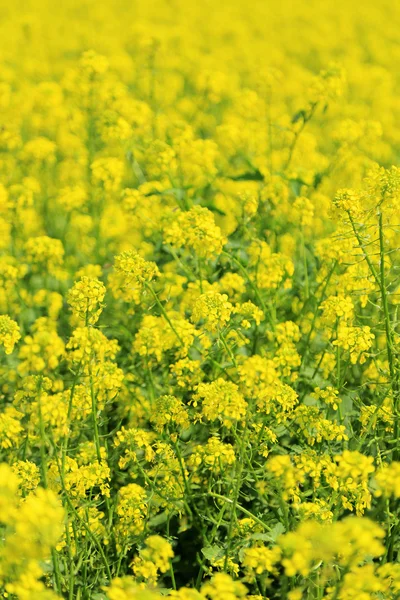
<point>158,519</point>
<point>212,553</point>
<point>271,536</point>
<point>301,114</point>
<point>276,531</point>
<point>261,537</point>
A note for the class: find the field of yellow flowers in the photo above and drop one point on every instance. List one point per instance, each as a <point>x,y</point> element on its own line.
<point>199,296</point>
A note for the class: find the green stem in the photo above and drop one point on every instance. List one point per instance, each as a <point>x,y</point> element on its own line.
<point>380,279</point>
<point>253,287</point>
<point>315,316</point>
<point>306,119</point>
<point>163,312</point>
<point>43,466</point>
<point>241,508</point>
<point>229,351</point>
<point>84,524</point>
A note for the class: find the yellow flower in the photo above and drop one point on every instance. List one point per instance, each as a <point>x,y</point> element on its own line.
<point>131,510</point>
<point>196,229</point>
<point>387,478</point>
<point>168,410</point>
<point>86,297</point>
<point>135,272</point>
<point>153,558</point>
<point>108,173</point>
<point>257,560</point>
<point>221,400</point>
<point>214,309</point>
<point>45,253</point>
<point>9,333</point>
<point>223,587</point>
<point>125,588</point>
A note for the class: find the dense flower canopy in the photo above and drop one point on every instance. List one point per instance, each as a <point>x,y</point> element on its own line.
<point>199,253</point>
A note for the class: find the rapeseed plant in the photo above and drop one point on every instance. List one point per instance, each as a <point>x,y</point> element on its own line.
<point>199,300</point>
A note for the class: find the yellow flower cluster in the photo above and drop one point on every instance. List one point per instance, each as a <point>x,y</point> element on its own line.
<point>257,560</point>
<point>31,528</point>
<point>153,558</point>
<point>195,229</point>
<point>214,309</point>
<point>347,543</point>
<point>85,298</point>
<point>9,333</point>
<point>221,400</point>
